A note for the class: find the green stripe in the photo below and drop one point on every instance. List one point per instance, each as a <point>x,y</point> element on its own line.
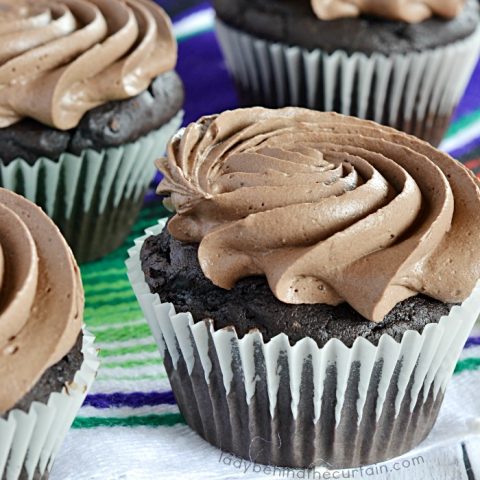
<point>111,276</point>
<point>468,364</point>
<point>154,209</point>
<point>165,420</point>
<point>101,287</point>
<point>109,298</point>
<point>115,270</point>
<point>126,333</point>
<point>109,315</point>
<point>113,352</point>
<point>110,311</point>
<point>133,363</point>
<point>112,261</point>
<point>141,225</point>
<point>187,36</point>
<point>463,122</point>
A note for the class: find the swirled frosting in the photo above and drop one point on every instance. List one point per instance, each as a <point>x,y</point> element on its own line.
<point>61,58</point>
<point>41,297</point>
<point>330,208</point>
<point>410,11</point>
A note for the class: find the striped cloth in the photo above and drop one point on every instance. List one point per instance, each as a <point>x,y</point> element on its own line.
<point>112,437</point>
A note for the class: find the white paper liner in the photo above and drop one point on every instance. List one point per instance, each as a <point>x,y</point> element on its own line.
<point>30,441</point>
<point>408,380</point>
<point>401,90</point>
<point>75,191</point>
<point>125,172</point>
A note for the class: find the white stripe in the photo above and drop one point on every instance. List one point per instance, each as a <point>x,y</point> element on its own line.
<point>471,352</point>
<point>462,138</point>
<point>125,343</point>
<point>118,326</point>
<point>160,385</point>
<point>476,330</point>
<point>132,356</point>
<point>127,411</point>
<point>198,21</point>
<point>123,371</point>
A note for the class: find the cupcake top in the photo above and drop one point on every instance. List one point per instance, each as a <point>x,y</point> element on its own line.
<point>411,11</point>
<point>380,30</point>
<point>329,208</point>
<point>60,59</point>
<point>41,296</point>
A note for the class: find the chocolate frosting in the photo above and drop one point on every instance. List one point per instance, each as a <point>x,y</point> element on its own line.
<point>62,58</point>
<point>410,11</point>
<point>330,208</point>
<point>41,297</point>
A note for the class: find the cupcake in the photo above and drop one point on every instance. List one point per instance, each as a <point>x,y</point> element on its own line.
<point>47,360</point>
<point>88,101</point>
<point>401,63</point>
<point>315,287</point>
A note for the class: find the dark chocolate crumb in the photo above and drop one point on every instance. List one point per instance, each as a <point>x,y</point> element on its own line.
<point>172,270</point>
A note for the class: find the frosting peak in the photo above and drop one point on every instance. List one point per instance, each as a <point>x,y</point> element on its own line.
<point>329,208</point>
<point>410,11</point>
<point>41,296</point>
<point>61,58</point>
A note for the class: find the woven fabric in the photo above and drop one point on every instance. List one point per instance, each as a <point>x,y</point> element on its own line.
<point>130,426</point>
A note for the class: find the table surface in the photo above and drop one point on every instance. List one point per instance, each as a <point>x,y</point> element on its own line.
<point>130,426</point>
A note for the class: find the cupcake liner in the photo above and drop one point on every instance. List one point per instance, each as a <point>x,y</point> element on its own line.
<point>302,405</point>
<point>30,440</point>
<point>415,92</point>
<point>94,198</point>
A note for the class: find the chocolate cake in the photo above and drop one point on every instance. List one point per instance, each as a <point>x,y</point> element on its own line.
<point>173,272</point>
<point>294,22</point>
<point>109,125</point>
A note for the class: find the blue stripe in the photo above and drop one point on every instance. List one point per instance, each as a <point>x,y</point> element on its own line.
<point>132,399</point>
<point>472,342</point>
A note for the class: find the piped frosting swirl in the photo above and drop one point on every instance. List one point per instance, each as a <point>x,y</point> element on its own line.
<point>410,11</point>
<point>41,297</point>
<point>61,58</point>
<point>330,208</point>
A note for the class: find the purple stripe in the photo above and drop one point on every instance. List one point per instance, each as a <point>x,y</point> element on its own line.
<point>133,399</point>
<point>472,342</point>
<point>177,8</point>
<point>466,149</point>
<point>471,100</point>
<point>207,82</point>
<point>144,399</point>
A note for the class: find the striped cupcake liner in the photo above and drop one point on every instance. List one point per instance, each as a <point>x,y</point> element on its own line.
<point>30,440</point>
<point>94,198</point>
<point>414,92</point>
<point>299,406</point>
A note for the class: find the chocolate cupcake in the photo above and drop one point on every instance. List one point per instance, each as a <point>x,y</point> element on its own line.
<point>404,64</point>
<point>88,101</point>
<point>315,288</point>
<point>47,361</point>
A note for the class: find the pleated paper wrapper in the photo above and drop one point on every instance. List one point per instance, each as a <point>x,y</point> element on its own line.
<point>30,440</point>
<point>415,92</point>
<point>93,198</point>
<point>301,405</point>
